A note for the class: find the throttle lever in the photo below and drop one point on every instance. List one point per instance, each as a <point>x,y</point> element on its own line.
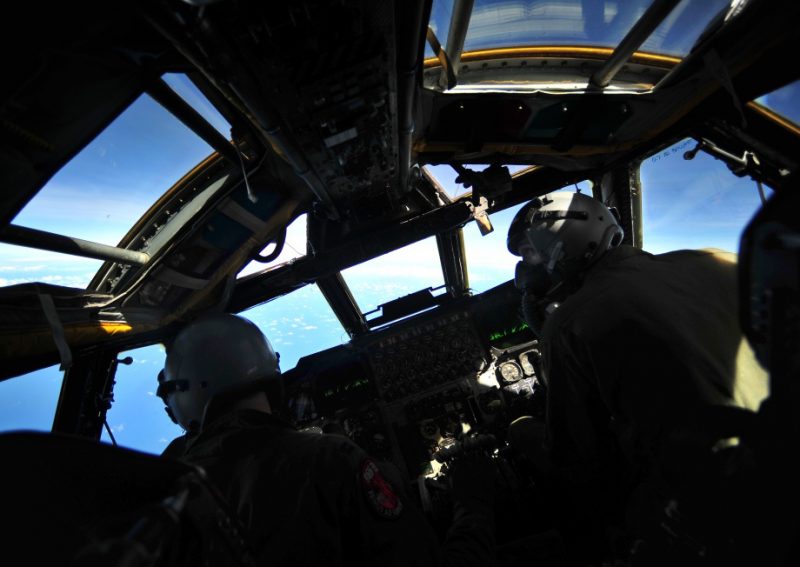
<point>481,442</point>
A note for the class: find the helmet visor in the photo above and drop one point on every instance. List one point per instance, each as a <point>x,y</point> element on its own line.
<point>541,248</point>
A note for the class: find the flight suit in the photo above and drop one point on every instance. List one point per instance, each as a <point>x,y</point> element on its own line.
<point>315,499</point>
<point>642,350</point>
<point>637,363</point>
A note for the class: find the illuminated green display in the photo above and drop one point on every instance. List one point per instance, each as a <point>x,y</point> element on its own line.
<point>339,388</point>
<point>496,336</point>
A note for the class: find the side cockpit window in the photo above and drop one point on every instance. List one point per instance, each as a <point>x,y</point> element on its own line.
<point>103,190</point>
<point>137,419</point>
<point>696,203</point>
<point>28,402</point>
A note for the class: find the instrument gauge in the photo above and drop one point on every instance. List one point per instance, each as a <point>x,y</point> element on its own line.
<point>527,364</point>
<point>509,372</point>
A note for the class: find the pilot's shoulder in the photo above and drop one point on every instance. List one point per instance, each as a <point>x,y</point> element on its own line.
<point>333,450</point>
<point>717,254</point>
<point>721,255</point>
<point>176,447</point>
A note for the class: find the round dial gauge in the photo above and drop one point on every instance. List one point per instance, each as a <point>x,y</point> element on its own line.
<point>509,371</point>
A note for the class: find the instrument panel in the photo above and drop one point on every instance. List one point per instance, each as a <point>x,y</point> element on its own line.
<point>405,391</point>
<point>422,356</point>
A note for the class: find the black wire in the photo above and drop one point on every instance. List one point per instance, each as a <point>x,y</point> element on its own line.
<point>279,241</point>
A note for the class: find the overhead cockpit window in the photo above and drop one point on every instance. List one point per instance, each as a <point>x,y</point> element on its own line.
<point>29,401</point>
<point>532,45</point>
<point>293,247</point>
<point>503,23</point>
<point>784,102</point>
<point>298,324</point>
<point>104,190</point>
<point>137,419</point>
<point>526,23</point>
<point>684,25</point>
<point>401,272</point>
<point>696,203</point>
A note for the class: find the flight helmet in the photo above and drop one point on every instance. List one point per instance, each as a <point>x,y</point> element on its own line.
<point>215,355</point>
<point>558,237</point>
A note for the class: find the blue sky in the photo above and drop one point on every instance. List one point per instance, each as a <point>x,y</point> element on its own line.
<point>110,184</point>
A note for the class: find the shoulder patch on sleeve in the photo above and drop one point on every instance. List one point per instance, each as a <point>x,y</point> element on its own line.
<point>379,493</point>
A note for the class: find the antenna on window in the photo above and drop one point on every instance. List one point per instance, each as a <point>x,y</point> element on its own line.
<point>111,435</point>
<point>250,195</point>
<point>761,192</point>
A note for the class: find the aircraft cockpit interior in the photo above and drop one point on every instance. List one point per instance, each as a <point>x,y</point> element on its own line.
<point>344,174</point>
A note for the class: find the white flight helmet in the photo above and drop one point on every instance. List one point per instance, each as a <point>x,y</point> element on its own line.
<point>559,236</point>
<point>215,354</point>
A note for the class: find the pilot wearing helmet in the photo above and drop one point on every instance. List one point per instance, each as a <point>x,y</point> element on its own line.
<point>304,498</point>
<point>640,351</point>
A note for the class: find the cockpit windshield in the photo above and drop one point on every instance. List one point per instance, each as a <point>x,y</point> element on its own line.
<point>359,179</point>
<point>302,170</point>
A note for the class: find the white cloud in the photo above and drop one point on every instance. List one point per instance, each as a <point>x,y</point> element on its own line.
<point>36,268</point>
<point>28,265</point>
<point>365,286</point>
<point>21,258</point>
<point>310,327</point>
<point>79,281</point>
